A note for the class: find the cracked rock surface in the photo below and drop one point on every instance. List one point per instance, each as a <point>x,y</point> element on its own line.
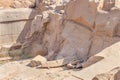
<point>66,30</point>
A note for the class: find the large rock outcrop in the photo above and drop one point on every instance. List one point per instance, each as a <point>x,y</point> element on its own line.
<point>67,29</point>
<point>71,30</point>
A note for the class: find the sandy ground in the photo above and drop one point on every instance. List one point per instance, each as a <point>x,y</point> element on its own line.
<point>18,70</point>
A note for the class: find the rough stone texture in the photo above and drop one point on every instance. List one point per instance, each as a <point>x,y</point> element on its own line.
<point>38,60</point>
<point>75,44</point>
<point>17,4</point>
<point>13,27</point>
<point>12,23</point>
<point>75,31</point>
<point>79,29</point>
<point>110,60</point>
<point>100,43</point>
<point>83,13</point>
<point>23,4</point>
<point>5,3</point>
<point>114,74</point>
<point>10,15</point>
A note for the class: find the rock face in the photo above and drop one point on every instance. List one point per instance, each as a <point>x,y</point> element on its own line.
<point>11,25</point>
<point>111,75</point>
<point>23,4</point>
<point>65,28</point>
<point>17,4</point>
<point>5,3</point>
<point>103,62</point>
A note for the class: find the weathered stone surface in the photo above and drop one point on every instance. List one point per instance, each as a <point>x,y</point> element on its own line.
<point>52,38</point>
<point>83,13</point>
<point>34,49</point>
<point>34,38</point>
<point>77,32</point>
<point>9,32</point>
<point>17,3</point>
<point>114,74</point>
<point>118,30</point>
<point>5,3</point>
<point>106,24</point>
<point>4,50</point>
<point>63,29</point>
<point>12,24</point>
<point>100,43</point>
<point>23,4</point>
<point>77,41</point>
<point>38,60</point>
<point>111,56</point>
<point>15,14</point>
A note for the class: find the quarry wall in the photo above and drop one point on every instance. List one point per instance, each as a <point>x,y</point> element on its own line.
<point>12,23</point>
